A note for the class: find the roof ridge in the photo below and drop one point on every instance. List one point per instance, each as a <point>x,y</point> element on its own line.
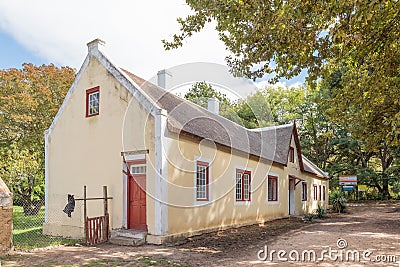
<point>266,128</point>
<point>188,101</point>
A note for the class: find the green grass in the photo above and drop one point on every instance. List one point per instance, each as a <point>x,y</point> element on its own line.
<point>27,232</point>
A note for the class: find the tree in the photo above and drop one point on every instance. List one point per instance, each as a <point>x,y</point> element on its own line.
<point>29,100</point>
<point>199,94</point>
<point>359,39</point>
<point>23,171</point>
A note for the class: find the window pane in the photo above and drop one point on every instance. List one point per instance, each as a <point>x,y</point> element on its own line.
<point>246,184</point>
<point>201,182</point>
<point>94,103</point>
<point>138,169</point>
<point>239,186</point>
<point>272,188</point>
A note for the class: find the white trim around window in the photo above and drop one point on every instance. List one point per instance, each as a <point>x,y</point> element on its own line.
<point>278,189</point>
<point>208,200</point>
<point>250,193</point>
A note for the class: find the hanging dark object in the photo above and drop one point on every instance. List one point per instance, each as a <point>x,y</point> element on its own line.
<point>69,208</point>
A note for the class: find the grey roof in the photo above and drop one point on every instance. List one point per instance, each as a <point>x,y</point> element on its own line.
<point>310,167</point>
<point>270,143</point>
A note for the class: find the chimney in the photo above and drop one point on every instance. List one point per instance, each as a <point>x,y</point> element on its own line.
<point>94,45</point>
<point>163,76</point>
<point>213,105</point>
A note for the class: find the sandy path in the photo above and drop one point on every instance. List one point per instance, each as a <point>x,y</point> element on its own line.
<point>371,227</point>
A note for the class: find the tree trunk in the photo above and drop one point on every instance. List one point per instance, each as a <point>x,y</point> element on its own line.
<point>386,160</point>
<point>31,207</point>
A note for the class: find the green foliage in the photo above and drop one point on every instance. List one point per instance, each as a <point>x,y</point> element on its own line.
<point>338,201</point>
<point>309,217</point>
<point>255,111</point>
<point>199,94</point>
<point>29,100</point>
<point>27,231</point>
<point>320,212</point>
<point>23,171</point>
<point>353,46</point>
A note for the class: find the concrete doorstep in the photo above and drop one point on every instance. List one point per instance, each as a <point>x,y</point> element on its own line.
<point>124,237</point>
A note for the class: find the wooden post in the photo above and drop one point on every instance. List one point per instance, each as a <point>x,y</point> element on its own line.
<point>105,200</point>
<point>85,213</point>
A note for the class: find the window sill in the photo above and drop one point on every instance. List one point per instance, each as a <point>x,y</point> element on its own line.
<point>243,203</point>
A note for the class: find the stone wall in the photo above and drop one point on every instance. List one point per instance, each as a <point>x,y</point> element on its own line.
<point>6,210</point>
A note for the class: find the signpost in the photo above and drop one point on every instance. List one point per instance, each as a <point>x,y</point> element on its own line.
<point>348,183</point>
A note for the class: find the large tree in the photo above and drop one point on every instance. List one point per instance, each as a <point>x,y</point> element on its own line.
<point>29,100</point>
<point>359,39</point>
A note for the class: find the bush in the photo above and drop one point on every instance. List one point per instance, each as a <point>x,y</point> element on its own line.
<point>338,201</point>
<point>320,212</point>
<point>309,217</point>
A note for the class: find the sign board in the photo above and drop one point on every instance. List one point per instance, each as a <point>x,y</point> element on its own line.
<point>348,180</point>
<point>362,188</point>
<point>348,188</point>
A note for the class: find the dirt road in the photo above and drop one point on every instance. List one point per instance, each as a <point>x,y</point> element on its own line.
<point>371,232</point>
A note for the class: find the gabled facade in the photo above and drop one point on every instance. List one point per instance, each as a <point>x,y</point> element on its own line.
<point>173,168</point>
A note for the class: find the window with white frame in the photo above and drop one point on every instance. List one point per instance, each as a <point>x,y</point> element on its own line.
<point>92,101</point>
<point>138,169</point>
<point>243,185</point>
<point>202,180</point>
<point>272,188</point>
<point>303,191</point>
<point>323,193</point>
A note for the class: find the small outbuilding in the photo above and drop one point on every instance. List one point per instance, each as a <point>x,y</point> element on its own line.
<point>6,211</point>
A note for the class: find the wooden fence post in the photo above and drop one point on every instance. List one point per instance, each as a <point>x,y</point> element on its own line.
<point>105,200</point>
<point>85,213</point>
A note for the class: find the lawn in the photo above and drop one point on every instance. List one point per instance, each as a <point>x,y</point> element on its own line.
<point>27,232</point>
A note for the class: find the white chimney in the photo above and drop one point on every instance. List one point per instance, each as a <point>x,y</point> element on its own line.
<point>213,105</point>
<point>163,77</point>
<point>94,45</point>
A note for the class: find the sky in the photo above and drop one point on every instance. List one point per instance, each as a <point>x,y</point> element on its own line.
<point>47,31</point>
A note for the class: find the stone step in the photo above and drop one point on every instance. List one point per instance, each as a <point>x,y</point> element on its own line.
<point>127,241</point>
<point>129,234</point>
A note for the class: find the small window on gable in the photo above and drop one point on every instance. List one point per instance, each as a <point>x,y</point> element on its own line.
<point>291,154</point>
<point>272,188</point>
<point>93,101</point>
<point>304,191</point>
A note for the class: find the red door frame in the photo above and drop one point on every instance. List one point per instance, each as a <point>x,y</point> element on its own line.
<point>142,187</point>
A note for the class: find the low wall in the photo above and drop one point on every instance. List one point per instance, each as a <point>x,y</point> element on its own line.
<point>6,212</point>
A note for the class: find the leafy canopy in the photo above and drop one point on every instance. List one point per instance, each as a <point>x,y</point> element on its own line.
<point>355,42</point>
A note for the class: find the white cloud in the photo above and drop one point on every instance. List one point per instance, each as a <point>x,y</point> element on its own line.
<point>59,30</point>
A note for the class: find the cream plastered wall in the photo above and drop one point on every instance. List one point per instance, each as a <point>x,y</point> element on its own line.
<point>188,215</point>
<point>87,151</point>
<point>310,204</point>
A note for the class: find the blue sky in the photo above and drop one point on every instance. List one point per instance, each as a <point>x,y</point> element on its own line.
<point>47,31</point>
<point>13,54</point>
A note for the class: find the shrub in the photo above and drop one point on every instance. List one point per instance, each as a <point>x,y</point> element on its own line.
<point>320,212</point>
<point>338,201</point>
<point>309,217</point>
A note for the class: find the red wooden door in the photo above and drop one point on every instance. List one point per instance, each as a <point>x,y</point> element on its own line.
<point>137,202</point>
